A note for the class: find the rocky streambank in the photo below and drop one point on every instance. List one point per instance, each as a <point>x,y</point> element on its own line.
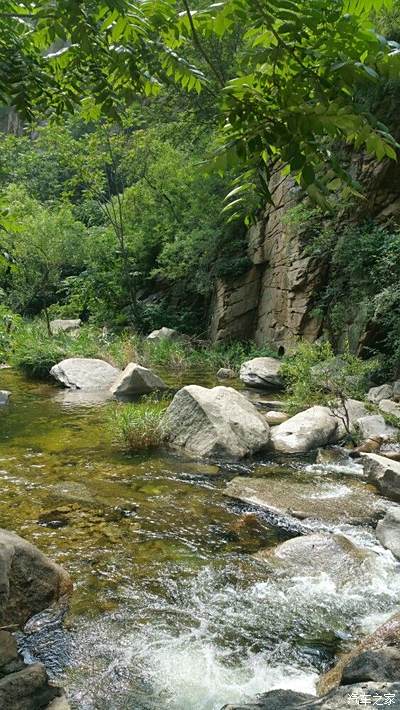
<point>29,583</point>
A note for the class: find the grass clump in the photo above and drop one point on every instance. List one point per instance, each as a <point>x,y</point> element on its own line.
<point>138,426</point>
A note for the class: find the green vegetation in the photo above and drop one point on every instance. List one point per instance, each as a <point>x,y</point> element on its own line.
<point>288,89</point>
<point>314,375</point>
<point>28,346</point>
<point>137,426</point>
<point>139,130</point>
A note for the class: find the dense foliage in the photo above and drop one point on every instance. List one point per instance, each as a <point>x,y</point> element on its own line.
<point>116,190</point>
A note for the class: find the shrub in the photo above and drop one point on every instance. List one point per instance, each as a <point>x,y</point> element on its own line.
<point>138,426</point>
<point>315,376</point>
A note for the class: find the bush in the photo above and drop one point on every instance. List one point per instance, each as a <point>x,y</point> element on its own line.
<point>138,426</point>
<point>314,375</point>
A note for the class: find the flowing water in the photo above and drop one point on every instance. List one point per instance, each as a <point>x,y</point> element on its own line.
<point>170,610</point>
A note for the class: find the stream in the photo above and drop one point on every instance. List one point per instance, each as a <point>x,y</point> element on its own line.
<point>170,609</point>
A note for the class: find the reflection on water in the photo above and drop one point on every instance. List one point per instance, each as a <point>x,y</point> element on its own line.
<point>169,610</point>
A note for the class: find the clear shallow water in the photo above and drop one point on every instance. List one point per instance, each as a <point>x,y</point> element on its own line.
<point>170,611</point>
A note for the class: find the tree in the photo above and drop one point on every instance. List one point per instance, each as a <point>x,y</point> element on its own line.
<point>301,63</point>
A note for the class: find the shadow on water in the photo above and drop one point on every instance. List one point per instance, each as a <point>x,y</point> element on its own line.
<point>170,610</point>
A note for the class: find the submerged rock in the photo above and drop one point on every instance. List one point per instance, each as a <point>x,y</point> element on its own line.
<point>225,373</point>
<point>65,326</point>
<point>313,554</point>
<point>85,373</point>
<point>4,397</point>
<point>310,498</point>
<point>262,372</point>
<point>388,531</point>
<point>305,431</point>
<point>218,422</point>
<point>164,334</point>
<point>384,472</point>
<point>29,581</point>
<point>136,379</point>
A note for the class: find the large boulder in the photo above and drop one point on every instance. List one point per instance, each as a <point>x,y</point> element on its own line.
<point>388,531</point>
<point>374,425</point>
<point>384,472</point>
<point>29,581</point>
<point>305,431</point>
<point>262,372</point>
<point>376,394</point>
<point>65,326</point>
<point>164,334</point>
<point>83,373</point>
<point>136,379</point>
<point>215,422</point>
<point>4,397</point>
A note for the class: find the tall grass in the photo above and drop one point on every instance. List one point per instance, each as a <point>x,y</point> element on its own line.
<point>35,352</point>
<point>138,426</point>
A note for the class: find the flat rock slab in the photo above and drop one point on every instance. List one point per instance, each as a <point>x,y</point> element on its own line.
<point>328,501</point>
<point>136,379</point>
<point>85,373</point>
<point>262,372</point>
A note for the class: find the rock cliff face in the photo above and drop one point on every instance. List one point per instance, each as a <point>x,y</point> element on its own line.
<point>274,301</point>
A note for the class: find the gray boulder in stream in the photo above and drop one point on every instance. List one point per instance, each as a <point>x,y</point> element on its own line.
<point>136,379</point>
<point>305,431</point>
<point>83,373</point>
<point>262,372</point>
<point>385,473</point>
<point>218,422</point>
<point>29,581</point>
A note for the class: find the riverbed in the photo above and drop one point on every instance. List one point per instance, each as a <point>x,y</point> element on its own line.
<point>170,609</point>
